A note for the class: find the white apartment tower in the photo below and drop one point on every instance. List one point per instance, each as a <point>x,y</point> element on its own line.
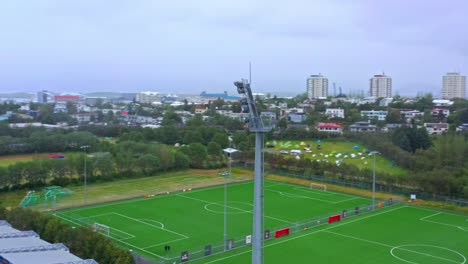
<point>381,86</point>
<point>317,86</point>
<point>453,86</point>
<point>147,97</point>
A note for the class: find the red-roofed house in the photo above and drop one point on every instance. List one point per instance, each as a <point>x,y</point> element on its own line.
<point>330,128</point>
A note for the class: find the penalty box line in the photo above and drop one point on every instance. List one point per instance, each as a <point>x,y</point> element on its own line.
<point>308,234</point>
<point>293,195</point>
<point>425,219</point>
<point>120,241</point>
<point>129,236</point>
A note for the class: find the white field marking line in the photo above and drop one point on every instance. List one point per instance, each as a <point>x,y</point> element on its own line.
<point>429,216</point>
<point>154,221</point>
<point>158,227</point>
<point>427,209</point>
<point>98,215</point>
<point>80,224</point>
<point>242,210</point>
<point>441,223</point>
<point>308,234</point>
<point>322,192</point>
<point>382,244</point>
<point>312,191</point>
<point>119,240</point>
<point>273,185</point>
<point>287,194</point>
<point>113,228</point>
<point>168,242</point>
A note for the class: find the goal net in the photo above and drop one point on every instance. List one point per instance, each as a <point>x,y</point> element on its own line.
<point>318,186</point>
<point>100,228</point>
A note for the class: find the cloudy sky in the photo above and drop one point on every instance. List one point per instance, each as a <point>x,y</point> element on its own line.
<point>204,45</point>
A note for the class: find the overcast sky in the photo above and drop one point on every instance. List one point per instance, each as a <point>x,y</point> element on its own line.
<point>193,46</point>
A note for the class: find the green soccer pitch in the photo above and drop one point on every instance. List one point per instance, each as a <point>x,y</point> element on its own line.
<point>190,220</point>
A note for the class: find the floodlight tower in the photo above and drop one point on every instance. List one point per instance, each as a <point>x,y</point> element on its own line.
<point>373,179</point>
<point>255,124</point>
<point>84,148</point>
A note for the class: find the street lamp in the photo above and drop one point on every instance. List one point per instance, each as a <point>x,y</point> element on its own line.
<point>229,152</point>
<point>373,179</point>
<point>85,147</point>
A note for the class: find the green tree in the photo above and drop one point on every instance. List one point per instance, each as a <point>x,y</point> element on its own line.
<point>214,148</point>
<point>197,153</point>
<point>221,139</point>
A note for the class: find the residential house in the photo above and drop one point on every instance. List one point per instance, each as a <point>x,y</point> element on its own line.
<point>375,114</point>
<point>442,102</point>
<point>436,128</point>
<point>437,111</point>
<point>335,112</point>
<point>84,117</point>
<point>408,115</point>
<point>363,126</point>
<point>297,117</point>
<point>463,127</point>
<point>330,128</point>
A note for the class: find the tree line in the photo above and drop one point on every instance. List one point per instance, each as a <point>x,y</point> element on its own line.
<point>437,164</point>
<point>81,241</point>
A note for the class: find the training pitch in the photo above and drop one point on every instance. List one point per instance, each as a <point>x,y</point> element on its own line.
<point>189,221</point>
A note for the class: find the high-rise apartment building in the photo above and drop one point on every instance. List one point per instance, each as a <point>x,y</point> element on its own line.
<point>317,86</point>
<point>381,86</point>
<point>147,97</point>
<point>453,86</point>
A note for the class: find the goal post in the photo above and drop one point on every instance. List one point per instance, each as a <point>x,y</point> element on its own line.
<point>318,186</point>
<point>100,228</point>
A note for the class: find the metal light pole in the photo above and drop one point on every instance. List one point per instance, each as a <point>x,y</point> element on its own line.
<point>228,151</point>
<point>373,180</point>
<point>85,147</point>
<point>255,124</point>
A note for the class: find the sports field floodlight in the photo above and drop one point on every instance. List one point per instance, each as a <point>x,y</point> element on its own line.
<point>373,153</point>
<point>229,151</point>
<point>256,125</point>
<point>84,148</point>
<point>240,87</point>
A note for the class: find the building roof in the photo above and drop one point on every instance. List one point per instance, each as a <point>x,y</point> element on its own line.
<point>150,93</point>
<point>27,247</point>
<point>224,96</point>
<point>436,125</point>
<point>328,125</point>
<point>67,97</point>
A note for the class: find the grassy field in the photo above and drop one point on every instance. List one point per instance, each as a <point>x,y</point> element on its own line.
<point>399,234</point>
<point>329,149</point>
<point>119,189</point>
<point>10,160</point>
<point>187,221</point>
